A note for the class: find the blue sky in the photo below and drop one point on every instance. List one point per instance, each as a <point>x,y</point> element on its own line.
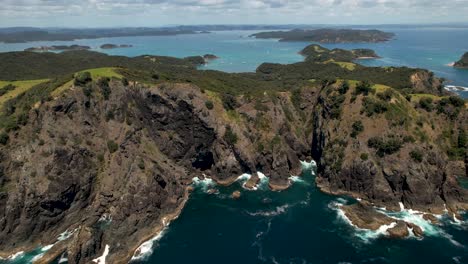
<point>106,13</point>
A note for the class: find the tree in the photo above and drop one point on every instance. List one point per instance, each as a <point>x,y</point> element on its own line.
<point>82,78</point>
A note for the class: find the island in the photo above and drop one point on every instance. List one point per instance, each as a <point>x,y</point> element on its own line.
<point>209,57</point>
<point>66,34</point>
<point>100,153</point>
<point>328,35</point>
<point>58,48</point>
<point>114,46</point>
<point>318,53</point>
<point>463,62</point>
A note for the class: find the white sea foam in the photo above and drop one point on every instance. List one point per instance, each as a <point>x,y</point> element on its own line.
<point>37,257</point>
<point>46,248</point>
<point>278,210</point>
<point>308,165</point>
<point>102,259</point>
<point>67,234</point>
<point>146,249</point>
<point>204,184</point>
<point>63,259</point>
<point>262,184</point>
<point>297,179</point>
<point>456,88</point>
<point>16,255</point>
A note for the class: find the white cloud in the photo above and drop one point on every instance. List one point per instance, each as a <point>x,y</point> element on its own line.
<point>158,12</point>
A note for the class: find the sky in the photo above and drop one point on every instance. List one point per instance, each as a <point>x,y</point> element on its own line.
<point>114,13</point>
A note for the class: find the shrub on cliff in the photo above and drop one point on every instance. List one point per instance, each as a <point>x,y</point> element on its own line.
<point>82,78</point>
<point>209,104</point>
<point>6,89</point>
<point>426,104</point>
<point>373,106</point>
<point>416,155</point>
<point>363,87</point>
<point>112,146</point>
<point>385,146</point>
<point>4,138</point>
<point>229,101</point>
<point>358,127</point>
<point>230,136</point>
<point>386,95</point>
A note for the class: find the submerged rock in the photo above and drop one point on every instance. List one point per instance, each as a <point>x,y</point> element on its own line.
<point>366,217</point>
<point>431,218</point>
<point>236,195</point>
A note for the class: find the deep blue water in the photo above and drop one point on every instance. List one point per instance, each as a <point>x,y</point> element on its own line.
<point>301,224</point>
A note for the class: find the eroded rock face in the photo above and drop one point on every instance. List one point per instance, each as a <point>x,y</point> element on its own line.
<point>114,168</point>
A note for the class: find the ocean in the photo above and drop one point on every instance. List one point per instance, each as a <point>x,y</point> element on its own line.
<point>301,224</point>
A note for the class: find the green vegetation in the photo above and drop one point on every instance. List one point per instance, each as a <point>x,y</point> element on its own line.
<point>13,89</point>
<point>230,136</point>
<point>364,156</point>
<point>4,138</point>
<point>82,78</point>
<point>385,146</point>
<point>426,103</point>
<point>364,87</point>
<point>417,155</point>
<point>15,111</point>
<point>112,146</point>
<point>209,105</point>
<point>229,101</point>
<point>326,35</point>
<point>373,106</point>
<point>6,89</point>
<point>358,127</point>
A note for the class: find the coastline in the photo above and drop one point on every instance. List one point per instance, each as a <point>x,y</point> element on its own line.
<point>165,221</point>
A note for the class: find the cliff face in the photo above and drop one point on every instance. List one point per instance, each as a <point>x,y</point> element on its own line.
<point>114,168</point>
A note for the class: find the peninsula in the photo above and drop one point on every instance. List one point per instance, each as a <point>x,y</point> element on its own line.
<point>328,35</point>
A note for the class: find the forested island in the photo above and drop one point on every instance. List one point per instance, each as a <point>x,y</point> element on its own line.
<point>115,46</point>
<point>105,148</point>
<point>36,34</point>
<point>328,35</point>
<point>463,62</point>
<point>58,48</point>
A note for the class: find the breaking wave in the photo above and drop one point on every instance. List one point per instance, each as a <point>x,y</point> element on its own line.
<point>146,249</point>
<point>407,215</point>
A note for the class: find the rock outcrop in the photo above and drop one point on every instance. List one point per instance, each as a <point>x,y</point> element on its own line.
<point>463,62</point>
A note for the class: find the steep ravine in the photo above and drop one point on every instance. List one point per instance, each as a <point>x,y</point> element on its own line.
<point>114,168</point>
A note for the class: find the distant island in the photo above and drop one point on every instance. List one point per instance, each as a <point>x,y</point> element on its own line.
<point>209,57</point>
<point>58,48</point>
<point>463,62</point>
<point>317,53</point>
<point>327,35</point>
<point>36,34</point>
<point>114,46</point>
